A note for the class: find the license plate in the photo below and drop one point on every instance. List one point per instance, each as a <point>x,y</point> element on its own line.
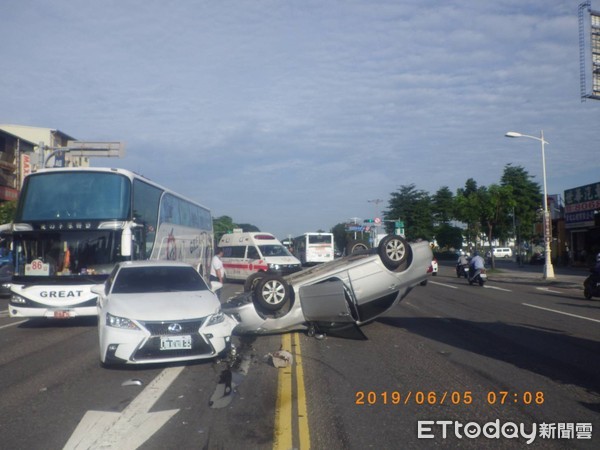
<point>62,314</point>
<point>175,342</point>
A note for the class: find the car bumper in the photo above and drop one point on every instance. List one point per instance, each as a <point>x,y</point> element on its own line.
<point>51,312</point>
<point>119,346</point>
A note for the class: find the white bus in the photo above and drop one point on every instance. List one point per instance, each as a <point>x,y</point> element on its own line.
<point>314,248</point>
<point>73,225</point>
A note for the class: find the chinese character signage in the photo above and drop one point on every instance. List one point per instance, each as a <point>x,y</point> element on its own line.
<point>580,205</point>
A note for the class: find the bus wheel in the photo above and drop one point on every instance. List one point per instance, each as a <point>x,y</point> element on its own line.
<point>252,281</point>
<point>394,251</point>
<point>271,293</point>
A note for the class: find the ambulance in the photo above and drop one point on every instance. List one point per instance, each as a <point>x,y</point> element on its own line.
<point>254,254</point>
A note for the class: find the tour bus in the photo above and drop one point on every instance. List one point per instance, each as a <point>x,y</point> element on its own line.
<point>314,248</point>
<point>72,225</point>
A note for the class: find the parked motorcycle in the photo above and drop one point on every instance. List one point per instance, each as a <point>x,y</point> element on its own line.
<point>479,276</point>
<point>591,286</point>
<point>462,270</point>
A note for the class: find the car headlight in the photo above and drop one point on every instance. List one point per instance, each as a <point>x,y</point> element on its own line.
<point>274,266</point>
<point>120,322</point>
<point>215,319</point>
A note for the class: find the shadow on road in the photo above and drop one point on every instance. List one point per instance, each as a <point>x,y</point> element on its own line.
<point>548,352</point>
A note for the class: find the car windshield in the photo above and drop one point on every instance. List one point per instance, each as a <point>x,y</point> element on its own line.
<point>141,280</point>
<point>274,250</point>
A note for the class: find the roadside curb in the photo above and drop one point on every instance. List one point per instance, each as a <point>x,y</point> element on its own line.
<point>564,281</point>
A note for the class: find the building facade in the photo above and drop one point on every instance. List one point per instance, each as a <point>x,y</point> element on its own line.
<point>15,164</point>
<point>582,221</point>
<point>25,149</point>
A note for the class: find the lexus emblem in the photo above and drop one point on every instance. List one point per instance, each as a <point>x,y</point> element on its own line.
<point>175,328</point>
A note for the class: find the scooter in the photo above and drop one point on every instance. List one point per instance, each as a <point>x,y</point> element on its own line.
<point>462,270</point>
<point>479,276</point>
<point>591,286</point>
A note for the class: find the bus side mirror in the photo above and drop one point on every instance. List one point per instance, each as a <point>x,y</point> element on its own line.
<point>126,242</point>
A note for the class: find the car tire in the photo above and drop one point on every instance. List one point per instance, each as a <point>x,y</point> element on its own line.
<point>394,251</point>
<point>272,293</point>
<point>355,247</point>
<point>587,293</point>
<point>252,281</point>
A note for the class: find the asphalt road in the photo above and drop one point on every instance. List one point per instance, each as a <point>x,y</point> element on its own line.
<point>516,351</point>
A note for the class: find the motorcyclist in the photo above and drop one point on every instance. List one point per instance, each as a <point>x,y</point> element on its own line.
<point>595,276</point>
<point>476,265</point>
<point>463,261</point>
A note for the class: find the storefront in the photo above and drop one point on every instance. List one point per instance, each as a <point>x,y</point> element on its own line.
<point>582,221</point>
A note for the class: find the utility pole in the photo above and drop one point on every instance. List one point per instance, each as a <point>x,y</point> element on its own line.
<point>377,201</point>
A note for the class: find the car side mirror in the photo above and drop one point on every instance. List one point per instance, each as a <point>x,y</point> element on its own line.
<point>126,242</point>
<point>98,289</point>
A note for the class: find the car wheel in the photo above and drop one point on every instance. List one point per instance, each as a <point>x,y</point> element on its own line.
<point>272,293</point>
<point>394,251</point>
<point>587,293</point>
<point>356,246</point>
<point>252,281</point>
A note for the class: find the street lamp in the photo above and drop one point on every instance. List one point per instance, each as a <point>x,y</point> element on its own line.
<point>548,269</point>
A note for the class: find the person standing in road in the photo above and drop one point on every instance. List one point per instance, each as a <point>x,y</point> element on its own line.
<point>217,272</point>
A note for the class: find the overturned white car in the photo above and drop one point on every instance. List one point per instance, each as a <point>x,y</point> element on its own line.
<point>339,295</point>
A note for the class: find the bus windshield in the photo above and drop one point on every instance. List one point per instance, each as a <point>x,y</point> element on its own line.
<point>55,253</point>
<point>74,196</point>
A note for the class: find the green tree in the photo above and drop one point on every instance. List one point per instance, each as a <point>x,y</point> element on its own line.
<point>340,236</point>
<point>448,236</point>
<point>225,224</point>
<point>496,205</point>
<point>468,209</point>
<point>413,206</point>
<point>221,226</point>
<point>247,227</point>
<point>527,200</point>
<point>442,204</point>
<point>7,211</point>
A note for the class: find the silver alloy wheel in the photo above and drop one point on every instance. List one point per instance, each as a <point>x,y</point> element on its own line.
<point>273,292</point>
<point>395,249</point>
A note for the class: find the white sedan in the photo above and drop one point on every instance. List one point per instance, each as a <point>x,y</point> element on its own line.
<point>159,311</point>
<point>334,297</point>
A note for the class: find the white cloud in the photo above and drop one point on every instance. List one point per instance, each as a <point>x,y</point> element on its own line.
<point>292,115</point>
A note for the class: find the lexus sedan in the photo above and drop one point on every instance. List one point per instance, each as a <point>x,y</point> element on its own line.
<point>157,312</point>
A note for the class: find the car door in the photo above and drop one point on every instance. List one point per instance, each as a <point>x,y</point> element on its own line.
<point>326,302</point>
<point>251,262</point>
<point>375,288</point>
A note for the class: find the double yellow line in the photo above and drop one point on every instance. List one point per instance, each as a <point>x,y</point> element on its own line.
<point>288,420</point>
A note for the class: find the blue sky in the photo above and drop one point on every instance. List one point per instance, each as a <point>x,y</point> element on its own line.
<point>293,115</point>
